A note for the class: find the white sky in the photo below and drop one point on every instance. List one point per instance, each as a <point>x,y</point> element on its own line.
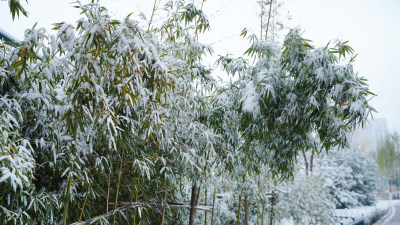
<point>371,26</point>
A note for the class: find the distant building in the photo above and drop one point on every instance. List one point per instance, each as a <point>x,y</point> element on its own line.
<point>368,138</point>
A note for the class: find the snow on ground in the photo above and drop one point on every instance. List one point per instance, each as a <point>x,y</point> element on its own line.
<point>365,211</point>
<point>357,212</point>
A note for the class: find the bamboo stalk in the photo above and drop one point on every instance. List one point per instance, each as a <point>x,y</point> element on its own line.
<point>262,215</point>
<point>198,195</point>
<point>261,20</point>
<point>205,203</point>
<point>118,184</point>
<point>258,212</point>
<point>213,207</point>
<point>238,215</point>
<point>305,161</point>
<point>84,203</point>
<point>246,211</point>
<point>258,203</point>
<point>108,192</point>
<point>67,201</point>
<point>271,220</point>
<point>136,198</point>
<point>193,203</point>
<point>269,16</point>
<point>152,14</point>
<point>163,210</point>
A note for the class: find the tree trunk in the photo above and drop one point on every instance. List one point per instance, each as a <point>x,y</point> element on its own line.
<point>205,203</point>
<point>212,213</point>
<point>193,203</point>
<point>246,212</point>
<point>305,161</point>
<point>238,213</point>
<point>262,215</point>
<point>258,212</point>
<point>271,219</point>
<point>163,210</point>
<point>311,162</point>
<point>269,17</point>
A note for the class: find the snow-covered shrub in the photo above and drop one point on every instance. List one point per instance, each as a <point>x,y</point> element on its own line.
<point>305,200</point>
<point>350,176</point>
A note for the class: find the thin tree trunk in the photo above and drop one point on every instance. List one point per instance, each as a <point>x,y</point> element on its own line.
<point>136,197</point>
<point>193,203</point>
<point>269,17</point>
<point>67,201</point>
<point>271,219</point>
<point>305,161</point>
<point>198,195</point>
<point>118,184</point>
<point>84,203</point>
<point>212,213</point>
<point>246,212</point>
<point>311,162</point>
<point>261,20</point>
<point>262,215</point>
<point>163,210</point>
<point>205,203</point>
<point>238,213</point>
<point>108,192</point>
<point>258,212</point>
<point>152,14</point>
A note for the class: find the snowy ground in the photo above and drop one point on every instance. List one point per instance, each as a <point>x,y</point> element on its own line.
<point>365,210</point>
<point>357,212</point>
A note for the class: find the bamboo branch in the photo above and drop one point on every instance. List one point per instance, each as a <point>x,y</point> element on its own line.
<point>67,201</point>
<point>118,184</point>
<point>163,210</point>
<point>152,14</point>
<point>261,20</point>
<point>84,203</point>
<point>269,16</point>
<point>212,213</point>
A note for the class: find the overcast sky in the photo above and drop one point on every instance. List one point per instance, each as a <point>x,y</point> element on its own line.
<point>372,28</point>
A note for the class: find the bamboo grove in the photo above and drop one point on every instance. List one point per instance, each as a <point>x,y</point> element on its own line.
<point>108,122</point>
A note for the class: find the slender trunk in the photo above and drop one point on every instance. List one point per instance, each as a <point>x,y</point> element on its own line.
<point>136,197</point>
<point>246,211</point>
<point>305,161</point>
<point>84,203</point>
<point>193,203</point>
<point>152,14</point>
<point>261,20</point>
<point>258,212</point>
<point>198,195</point>
<point>262,215</point>
<point>205,203</point>
<point>163,210</point>
<point>108,192</point>
<point>271,219</point>
<point>212,213</point>
<point>67,201</point>
<point>238,213</point>
<point>311,162</point>
<point>118,184</point>
<point>269,17</point>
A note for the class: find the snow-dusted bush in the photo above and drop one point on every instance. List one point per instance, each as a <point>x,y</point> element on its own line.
<point>305,200</point>
<point>350,176</point>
